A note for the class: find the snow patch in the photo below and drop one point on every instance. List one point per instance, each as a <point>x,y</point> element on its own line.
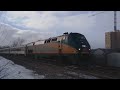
<point>10,70</point>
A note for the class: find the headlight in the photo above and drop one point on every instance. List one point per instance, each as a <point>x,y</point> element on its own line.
<point>89,49</point>
<point>79,48</point>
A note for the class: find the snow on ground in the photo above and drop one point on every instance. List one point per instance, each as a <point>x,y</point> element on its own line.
<point>10,70</point>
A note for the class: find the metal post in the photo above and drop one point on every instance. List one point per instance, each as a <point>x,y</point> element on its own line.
<point>115,21</point>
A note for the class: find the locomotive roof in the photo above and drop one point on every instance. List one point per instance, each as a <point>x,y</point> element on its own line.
<point>63,35</point>
<point>69,34</point>
<point>11,47</point>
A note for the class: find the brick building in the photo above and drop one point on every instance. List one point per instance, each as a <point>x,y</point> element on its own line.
<point>112,40</point>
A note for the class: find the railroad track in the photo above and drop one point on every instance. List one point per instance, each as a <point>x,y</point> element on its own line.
<point>72,71</point>
<point>102,72</point>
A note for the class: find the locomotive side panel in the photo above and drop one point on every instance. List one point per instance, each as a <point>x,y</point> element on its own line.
<point>51,48</point>
<point>45,49</point>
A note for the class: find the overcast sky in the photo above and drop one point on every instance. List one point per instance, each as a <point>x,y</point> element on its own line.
<point>35,25</point>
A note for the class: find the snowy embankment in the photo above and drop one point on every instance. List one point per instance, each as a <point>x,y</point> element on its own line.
<point>10,70</point>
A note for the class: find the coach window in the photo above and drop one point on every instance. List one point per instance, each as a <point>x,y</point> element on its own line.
<point>54,39</point>
<point>47,41</point>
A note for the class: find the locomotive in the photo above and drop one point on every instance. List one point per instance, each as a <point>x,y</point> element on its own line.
<point>69,47</point>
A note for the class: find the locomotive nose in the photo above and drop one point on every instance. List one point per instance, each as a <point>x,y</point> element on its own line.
<point>84,50</point>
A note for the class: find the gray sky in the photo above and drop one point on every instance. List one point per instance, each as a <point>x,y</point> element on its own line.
<point>35,25</point>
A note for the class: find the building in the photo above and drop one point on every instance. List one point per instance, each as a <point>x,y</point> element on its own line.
<point>112,40</point>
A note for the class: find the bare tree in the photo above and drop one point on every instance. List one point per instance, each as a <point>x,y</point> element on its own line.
<point>18,42</point>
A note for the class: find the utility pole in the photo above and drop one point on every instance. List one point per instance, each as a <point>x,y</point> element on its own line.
<point>115,21</point>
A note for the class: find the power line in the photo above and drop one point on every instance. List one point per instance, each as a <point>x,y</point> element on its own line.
<point>96,14</point>
<point>115,19</point>
<point>4,38</point>
<point>2,33</point>
<point>1,13</point>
